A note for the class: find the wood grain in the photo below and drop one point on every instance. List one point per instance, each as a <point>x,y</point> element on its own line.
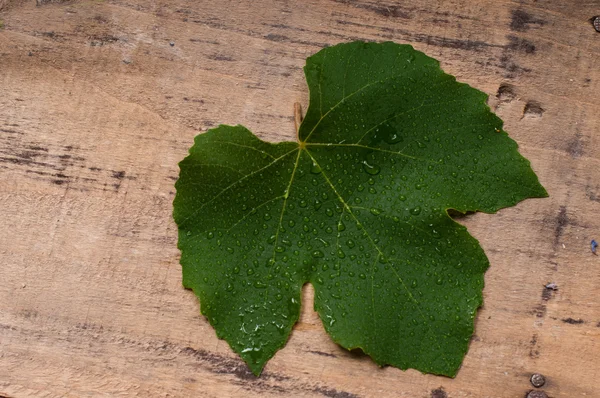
<point>99,100</point>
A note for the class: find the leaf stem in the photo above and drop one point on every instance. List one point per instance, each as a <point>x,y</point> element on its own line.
<point>297,118</point>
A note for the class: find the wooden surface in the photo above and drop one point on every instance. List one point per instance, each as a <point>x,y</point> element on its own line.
<point>99,100</point>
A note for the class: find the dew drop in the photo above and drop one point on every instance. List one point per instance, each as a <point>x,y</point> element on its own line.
<point>375,211</point>
<point>393,138</point>
<point>372,169</point>
<point>315,168</point>
<point>318,204</point>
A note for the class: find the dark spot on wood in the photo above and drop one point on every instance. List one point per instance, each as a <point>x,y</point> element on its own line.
<point>333,393</point>
<point>24,162</point>
<point>27,155</point>
<point>218,57</point>
<point>100,19</point>
<point>323,354</point>
<point>521,21</point>
<point>95,168</point>
<point>383,10</point>
<point>386,11</point>
<point>547,293</point>
<point>572,321</point>
<point>119,175</point>
<point>43,2</point>
<point>204,41</point>
<point>511,67</point>
<point>37,148</point>
<point>561,221</point>
<point>533,109</point>
<point>439,393</point>
<point>7,327</point>
<point>69,147</point>
<point>10,131</point>
<point>41,173</point>
<point>96,40</point>
<point>575,146</point>
<point>467,45</point>
<point>519,44</point>
<point>59,182</point>
<point>533,352</point>
<point>539,310</point>
<point>286,27</point>
<point>276,37</point>
<point>506,92</point>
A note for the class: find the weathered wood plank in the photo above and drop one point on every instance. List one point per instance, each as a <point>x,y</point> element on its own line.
<point>100,100</point>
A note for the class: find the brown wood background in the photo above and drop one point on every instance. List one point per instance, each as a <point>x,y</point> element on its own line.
<point>99,100</point>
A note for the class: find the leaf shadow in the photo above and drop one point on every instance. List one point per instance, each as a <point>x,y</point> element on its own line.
<point>357,353</point>
<point>458,215</point>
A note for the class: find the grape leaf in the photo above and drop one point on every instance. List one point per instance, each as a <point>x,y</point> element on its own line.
<point>357,207</point>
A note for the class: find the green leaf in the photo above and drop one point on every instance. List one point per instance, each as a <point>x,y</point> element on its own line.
<point>358,208</point>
